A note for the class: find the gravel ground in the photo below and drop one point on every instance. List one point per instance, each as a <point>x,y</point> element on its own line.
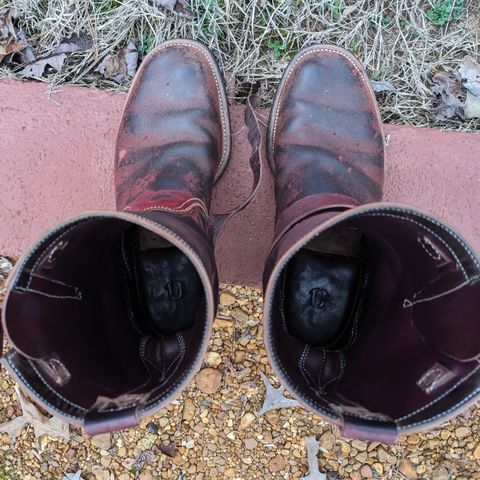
<point>220,434</point>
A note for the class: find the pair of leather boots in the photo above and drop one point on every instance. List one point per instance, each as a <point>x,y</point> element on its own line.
<point>371,309</point>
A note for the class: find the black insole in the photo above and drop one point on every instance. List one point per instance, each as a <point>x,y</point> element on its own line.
<point>169,289</point>
<point>320,295</point>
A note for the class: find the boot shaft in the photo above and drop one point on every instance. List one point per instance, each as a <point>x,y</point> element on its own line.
<point>96,339</point>
<point>366,319</point>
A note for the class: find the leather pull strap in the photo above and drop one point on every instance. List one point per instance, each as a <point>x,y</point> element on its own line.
<point>369,430</point>
<point>217,222</point>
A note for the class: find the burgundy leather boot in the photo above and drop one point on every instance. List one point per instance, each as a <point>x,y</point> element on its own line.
<point>371,309</point>
<point>109,313</point>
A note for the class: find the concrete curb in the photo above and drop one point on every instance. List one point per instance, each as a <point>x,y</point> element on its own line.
<point>57,160</point>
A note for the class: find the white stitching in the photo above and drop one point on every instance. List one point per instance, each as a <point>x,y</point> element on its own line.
<point>36,395</point>
<point>453,387</point>
<point>193,253</point>
<point>43,254</point>
<point>410,303</point>
<point>54,391</point>
<point>49,295</point>
<point>424,241</point>
<point>177,359</point>
<point>198,204</point>
<point>438,224</point>
<point>459,263</point>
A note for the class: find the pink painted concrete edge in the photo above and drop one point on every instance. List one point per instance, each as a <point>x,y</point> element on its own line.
<point>57,160</point>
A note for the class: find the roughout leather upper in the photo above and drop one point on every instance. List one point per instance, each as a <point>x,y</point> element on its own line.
<point>174,133</point>
<point>325,134</point>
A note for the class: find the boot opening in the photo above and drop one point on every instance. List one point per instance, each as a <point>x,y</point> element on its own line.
<point>105,312</point>
<point>377,317</point>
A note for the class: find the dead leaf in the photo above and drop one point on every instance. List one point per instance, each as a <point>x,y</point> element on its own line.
<point>349,10</point>
<point>78,42</point>
<point>143,458</point>
<point>37,69</point>
<point>178,7</point>
<point>382,86</point>
<point>274,397</point>
<point>472,106</point>
<point>6,266</point>
<point>312,452</point>
<point>42,425</point>
<point>73,476</point>
<point>470,73</point>
<point>12,38</point>
<point>447,89</point>
<point>168,449</point>
<point>120,66</point>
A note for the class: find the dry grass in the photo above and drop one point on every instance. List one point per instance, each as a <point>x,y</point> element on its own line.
<point>253,40</point>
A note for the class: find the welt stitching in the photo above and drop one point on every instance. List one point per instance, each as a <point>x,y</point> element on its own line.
<point>222,113</point>
<point>290,70</point>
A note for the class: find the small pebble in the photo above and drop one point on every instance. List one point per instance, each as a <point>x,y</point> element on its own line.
<point>152,428</point>
<point>408,470</point>
<point>250,443</point>
<point>366,471</point>
<point>247,420</point>
<point>277,463</point>
<point>462,432</point>
<point>209,380</point>
<point>327,440</point>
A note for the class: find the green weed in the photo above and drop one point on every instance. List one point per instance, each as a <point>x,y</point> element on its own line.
<point>446,10</point>
<point>145,44</point>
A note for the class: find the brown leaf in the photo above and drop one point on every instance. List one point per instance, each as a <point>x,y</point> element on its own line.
<point>12,38</point>
<point>447,89</point>
<point>52,427</point>
<point>178,7</point>
<point>37,69</point>
<point>12,47</point>
<point>120,66</point>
